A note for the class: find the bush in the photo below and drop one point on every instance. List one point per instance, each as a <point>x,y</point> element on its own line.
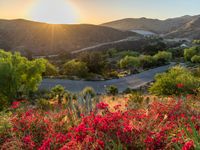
<point>112,90</point>
<point>129,62</point>
<point>147,61</point>
<point>190,52</point>
<point>196,59</point>
<point>163,57</point>
<point>88,91</point>
<point>177,81</point>
<point>51,70</point>
<point>75,68</point>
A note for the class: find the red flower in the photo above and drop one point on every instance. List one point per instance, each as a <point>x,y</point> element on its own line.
<point>15,105</point>
<point>28,141</point>
<point>180,85</point>
<point>101,143</point>
<point>188,145</point>
<point>102,105</point>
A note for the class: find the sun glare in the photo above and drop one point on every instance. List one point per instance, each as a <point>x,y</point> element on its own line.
<point>54,11</point>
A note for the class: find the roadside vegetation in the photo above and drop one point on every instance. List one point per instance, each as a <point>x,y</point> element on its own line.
<point>162,115</point>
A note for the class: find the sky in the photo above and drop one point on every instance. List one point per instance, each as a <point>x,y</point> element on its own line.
<point>95,11</point>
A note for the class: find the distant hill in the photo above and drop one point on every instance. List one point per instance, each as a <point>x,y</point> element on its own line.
<point>44,39</point>
<point>185,26</point>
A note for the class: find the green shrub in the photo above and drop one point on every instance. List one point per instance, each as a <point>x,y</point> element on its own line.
<point>112,90</point>
<point>75,68</point>
<point>129,62</point>
<point>195,59</point>
<point>190,52</point>
<point>51,70</point>
<point>163,57</point>
<point>176,81</point>
<point>147,61</point>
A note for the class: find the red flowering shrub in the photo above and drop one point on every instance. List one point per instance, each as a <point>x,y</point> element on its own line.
<point>15,105</point>
<point>159,125</point>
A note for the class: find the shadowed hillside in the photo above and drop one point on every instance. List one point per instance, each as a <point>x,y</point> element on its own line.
<point>41,38</point>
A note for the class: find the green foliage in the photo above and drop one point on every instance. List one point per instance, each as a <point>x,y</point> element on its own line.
<point>5,123</point>
<point>196,41</point>
<point>18,75</point>
<point>58,92</point>
<point>112,90</point>
<point>147,61</point>
<point>75,68</point>
<point>166,83</point>
<point>95,61</point>
<point>88,91</point>
<point>190,52</point>
<point>129,62</point>
<point>129,53</point>
<point>195,59</point>
<point>51,70</point>
<point>163,57</point>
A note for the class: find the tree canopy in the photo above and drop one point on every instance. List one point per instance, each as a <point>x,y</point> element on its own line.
<point>18,75</point>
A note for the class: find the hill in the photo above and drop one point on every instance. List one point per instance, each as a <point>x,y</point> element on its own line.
<point>44,39</point>
<point>170,26</point>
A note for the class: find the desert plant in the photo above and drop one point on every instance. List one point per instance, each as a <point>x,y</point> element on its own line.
<point>88,91</point>
<point>58,92</point>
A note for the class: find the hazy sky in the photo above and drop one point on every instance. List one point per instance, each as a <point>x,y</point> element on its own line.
<point>95,11</point>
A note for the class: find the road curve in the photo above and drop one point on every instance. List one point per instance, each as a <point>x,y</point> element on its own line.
<point>132,81</point>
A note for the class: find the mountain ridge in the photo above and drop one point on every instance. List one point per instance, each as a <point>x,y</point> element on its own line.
<point>154,25</point>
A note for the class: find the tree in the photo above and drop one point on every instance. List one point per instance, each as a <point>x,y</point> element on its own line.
<point>190,52</point>
<point>163,57</point>
<point>18,75</point>
<point>75,68</point>
<point>177,81</point>
<point>196,59</point>
<point>95,61</point>
<point>51,70</point>
<point>129,62</point>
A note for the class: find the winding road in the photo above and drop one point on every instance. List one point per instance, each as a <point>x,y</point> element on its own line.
<point>133,81</point>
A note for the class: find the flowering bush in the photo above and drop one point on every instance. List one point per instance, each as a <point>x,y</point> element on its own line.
<point>160,124</point>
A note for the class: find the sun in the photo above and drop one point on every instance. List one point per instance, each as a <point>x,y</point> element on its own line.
<point>54,12</point>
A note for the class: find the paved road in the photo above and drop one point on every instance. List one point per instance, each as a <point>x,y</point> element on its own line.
<point>132,81</point>
<point>104,44</point>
